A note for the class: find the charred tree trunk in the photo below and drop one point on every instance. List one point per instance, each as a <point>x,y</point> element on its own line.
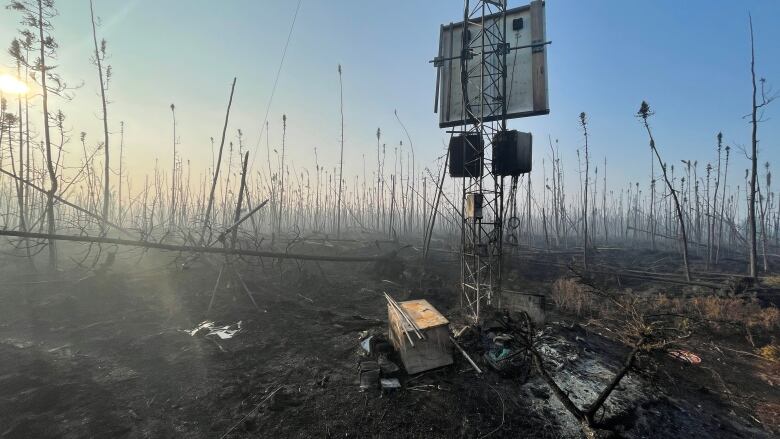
<point>644,113</point>
<point>209,206</point>
<point>753,254</point>
<point>50,194</point>
<point>100,53</point>
<point>341,157</point>
<point>237,214</point>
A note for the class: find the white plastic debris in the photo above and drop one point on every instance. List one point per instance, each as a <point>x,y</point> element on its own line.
<point>366,344</point>
<point>390,383</point>
<point>223,332</point>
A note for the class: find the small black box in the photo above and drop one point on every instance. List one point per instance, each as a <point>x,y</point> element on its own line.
<point>512,153</point>
<point>467,155</point>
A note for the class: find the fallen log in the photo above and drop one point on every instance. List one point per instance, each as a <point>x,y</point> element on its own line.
<point>195,249</point>
<point>576,250</point>
<point>656,277</point>
<point>661,235</point>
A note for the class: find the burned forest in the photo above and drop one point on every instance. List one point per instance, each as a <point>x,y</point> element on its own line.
<point>242,219</point>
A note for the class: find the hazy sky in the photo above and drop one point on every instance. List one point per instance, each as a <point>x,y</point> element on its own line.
<point>689,59</point>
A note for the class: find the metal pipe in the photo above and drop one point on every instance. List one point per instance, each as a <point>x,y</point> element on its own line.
<point>525,46</point>
<point>473,364</point>
<point>403,314</point>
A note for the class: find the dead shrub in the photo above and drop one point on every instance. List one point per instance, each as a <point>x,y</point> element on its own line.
<point>725,309</point>
<point>674,305</point>
<point>744,311</point>
<point>770,352</point>
<point>718,312</point>
<point>771,281</point>
<point>571,296</point>
<point>768,318</point>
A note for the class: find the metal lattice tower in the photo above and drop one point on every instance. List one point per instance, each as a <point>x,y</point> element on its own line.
<point>483,80</point>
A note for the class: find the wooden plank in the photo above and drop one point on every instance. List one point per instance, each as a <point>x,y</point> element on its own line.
<point>539,57</point>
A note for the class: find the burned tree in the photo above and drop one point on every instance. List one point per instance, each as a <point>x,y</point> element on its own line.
<point>756,116</point>
<point>37,17</point>
<point>104,76</point>
<point>341,156</point>
<point>644,113</point>
<point>207,215</point>
<point>174,167</point>
<point>584,125</point>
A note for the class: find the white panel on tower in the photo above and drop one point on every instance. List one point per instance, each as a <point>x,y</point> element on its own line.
<point>526,68</point>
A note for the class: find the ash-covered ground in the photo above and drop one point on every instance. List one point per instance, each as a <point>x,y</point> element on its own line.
<point>110,352</point>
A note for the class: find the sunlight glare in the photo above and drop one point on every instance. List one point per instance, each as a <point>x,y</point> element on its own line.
<point>9,84</point>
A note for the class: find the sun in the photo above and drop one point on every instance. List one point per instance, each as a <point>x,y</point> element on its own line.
<point>9,84</point>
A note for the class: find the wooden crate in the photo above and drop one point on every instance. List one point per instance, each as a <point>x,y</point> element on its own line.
<point>432,352</point>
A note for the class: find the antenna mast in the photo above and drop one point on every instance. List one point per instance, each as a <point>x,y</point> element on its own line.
<point>472,100</point>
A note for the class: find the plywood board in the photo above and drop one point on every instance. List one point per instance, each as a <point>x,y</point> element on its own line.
<point>423,314</point>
